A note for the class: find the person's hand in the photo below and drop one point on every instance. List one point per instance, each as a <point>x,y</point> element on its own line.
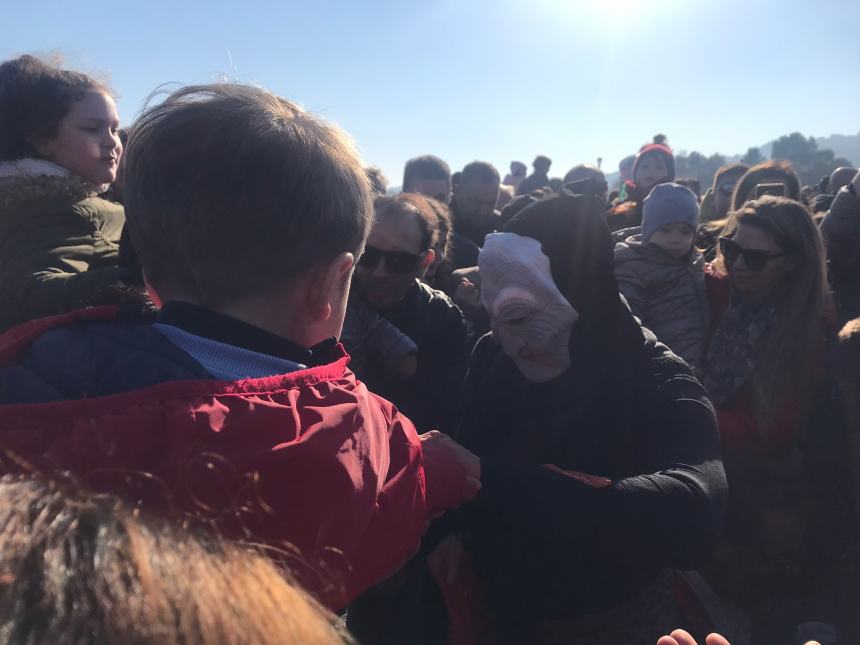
<point>453,473</point>
<point>680,637</point>
<point>467,296</point>
<point>445,560</point>
<point>439,441</point>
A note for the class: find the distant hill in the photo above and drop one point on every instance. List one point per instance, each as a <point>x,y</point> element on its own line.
<point>843,145</point>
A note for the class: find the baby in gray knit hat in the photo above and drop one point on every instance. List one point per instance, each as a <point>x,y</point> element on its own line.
<point>661,273</point>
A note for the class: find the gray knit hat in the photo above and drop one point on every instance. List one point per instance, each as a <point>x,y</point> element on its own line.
<point>667,203</point>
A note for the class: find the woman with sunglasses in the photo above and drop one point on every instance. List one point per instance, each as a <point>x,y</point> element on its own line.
<point>789,507</point>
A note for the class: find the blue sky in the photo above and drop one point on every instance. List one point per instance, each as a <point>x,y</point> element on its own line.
<point>486,79</point>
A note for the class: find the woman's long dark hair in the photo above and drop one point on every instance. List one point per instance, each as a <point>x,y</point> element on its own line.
<point>786,365</point>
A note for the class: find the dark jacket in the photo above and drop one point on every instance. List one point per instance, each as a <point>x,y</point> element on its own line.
<point>841,231</point>
<point>369,338</point>
<point>596,481</point>
<point>431,397</point>
<point>627,213</point>
<point>309,458</point>
<point>666,294</point>
<point>624,215</point>
<point>551,540</point>
<point>475,234</point>
<point>822,203</point>
<point>58,242</point>
<point>464,253</point>
<point>533,182</point>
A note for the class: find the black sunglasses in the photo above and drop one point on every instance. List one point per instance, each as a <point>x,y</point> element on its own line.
<point>755,260</point>
<point>395,261</point>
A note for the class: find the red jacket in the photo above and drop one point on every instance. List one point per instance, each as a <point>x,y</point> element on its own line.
<point>310,459</point>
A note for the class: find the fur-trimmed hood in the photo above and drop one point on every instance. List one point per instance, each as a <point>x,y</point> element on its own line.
<point>26,179</point>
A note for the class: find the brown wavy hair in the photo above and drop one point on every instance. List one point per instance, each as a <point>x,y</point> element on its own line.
<point>78,567</point>
<point>35,96</point>
<point>768,171</point>
<point>786,367</point>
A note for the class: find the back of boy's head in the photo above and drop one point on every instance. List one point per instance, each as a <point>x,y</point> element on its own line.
<point>668,203</point>
<point>231,191</point>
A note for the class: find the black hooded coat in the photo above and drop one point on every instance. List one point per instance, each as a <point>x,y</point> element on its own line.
<point>549,544</point>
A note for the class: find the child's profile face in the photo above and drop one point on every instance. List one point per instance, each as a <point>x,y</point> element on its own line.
<point>87,141</point>
<point>675,238</point>
<point>651,171</point>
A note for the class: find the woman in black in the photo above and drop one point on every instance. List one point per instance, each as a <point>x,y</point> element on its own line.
<point>600,457</point>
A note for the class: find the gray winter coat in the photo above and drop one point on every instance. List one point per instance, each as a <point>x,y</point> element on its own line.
<point>666,294</point>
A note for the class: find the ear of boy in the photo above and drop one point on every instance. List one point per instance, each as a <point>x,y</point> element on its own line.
<point>327,287</point>
<point>306,309</point>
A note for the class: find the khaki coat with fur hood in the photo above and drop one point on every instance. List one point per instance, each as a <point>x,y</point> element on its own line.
<point>59,242</point>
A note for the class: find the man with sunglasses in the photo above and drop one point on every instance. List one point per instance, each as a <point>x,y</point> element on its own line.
<point>388,277</point>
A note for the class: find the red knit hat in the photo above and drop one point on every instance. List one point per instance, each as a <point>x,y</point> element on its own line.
<point>656,148</point>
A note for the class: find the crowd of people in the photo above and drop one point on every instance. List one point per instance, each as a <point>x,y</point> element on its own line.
<point>247,395</point>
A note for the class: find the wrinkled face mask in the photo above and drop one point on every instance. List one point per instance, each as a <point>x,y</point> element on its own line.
<point>529,316</point>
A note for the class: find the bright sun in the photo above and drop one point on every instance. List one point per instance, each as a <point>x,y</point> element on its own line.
<point>619,6</point>
<point>613,10</point>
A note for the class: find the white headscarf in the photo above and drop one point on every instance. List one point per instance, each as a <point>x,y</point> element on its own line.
<point>529,316</point>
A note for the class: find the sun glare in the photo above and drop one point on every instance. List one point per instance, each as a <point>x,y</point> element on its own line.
<point>618,12</point>
<point>621,7</point>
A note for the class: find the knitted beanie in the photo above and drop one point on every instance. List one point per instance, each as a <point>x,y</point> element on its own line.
<point>656,148</point>
<point>667,203</point>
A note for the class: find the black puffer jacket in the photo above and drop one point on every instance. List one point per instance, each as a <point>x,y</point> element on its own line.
<point>667,294</point>
<point>431,397</point>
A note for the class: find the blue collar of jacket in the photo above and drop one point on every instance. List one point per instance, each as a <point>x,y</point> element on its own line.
<point>200,321</point>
